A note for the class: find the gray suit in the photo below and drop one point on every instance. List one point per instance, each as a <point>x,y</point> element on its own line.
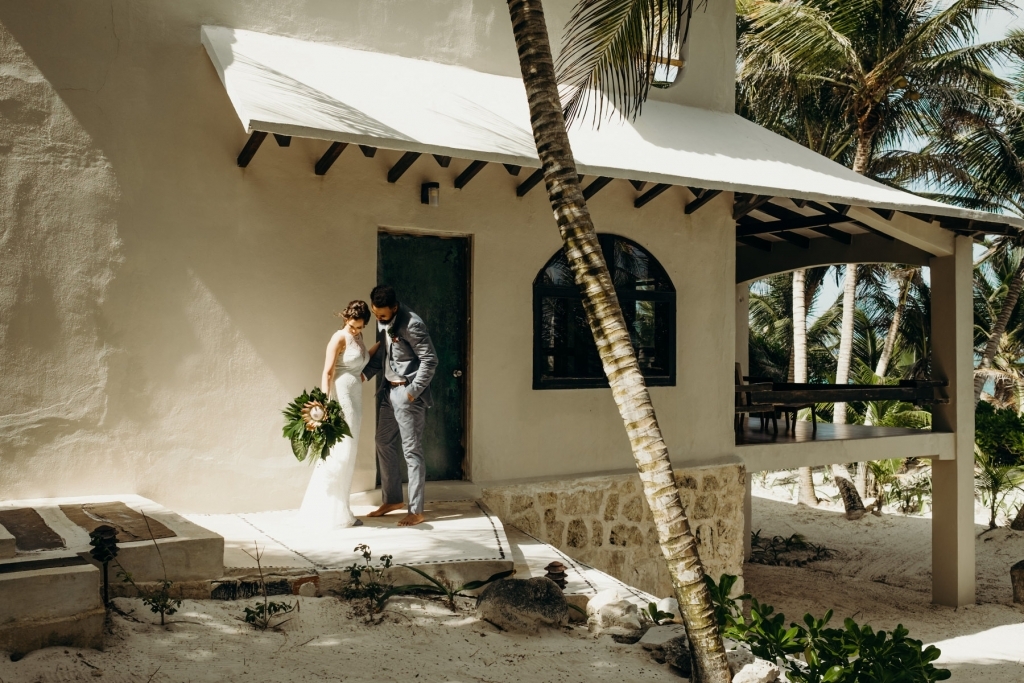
<point>406,354</point>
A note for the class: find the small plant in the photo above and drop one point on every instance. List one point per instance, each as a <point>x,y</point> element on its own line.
<point>812,653</point>
<point>791,551</point>
<point>158,600</point>
<point>262,614</point>
<point>366,581</point>
<point>439,586</point>
<point>656,615</point>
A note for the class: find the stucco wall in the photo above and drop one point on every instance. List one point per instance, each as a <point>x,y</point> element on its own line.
<point>159,305</point>
<point>606,522</point>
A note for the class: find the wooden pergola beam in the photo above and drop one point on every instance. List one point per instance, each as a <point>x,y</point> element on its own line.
<point>646,197</point>
<point>834,233</point>
<point>530,182</point>
<point>512,169</point>
<point>701,197</point>
<point>638,184</point>
<point>795,239</point>
<point>251,145</point>
<point>463,179</point>
<point>283,140</point>
<point>443,162</point>
<point>368,151</point>
<point>756,242</point>
<point>595,187</point>
<point>402,165</point>
<point>742,208</point>
<point>329,157</point>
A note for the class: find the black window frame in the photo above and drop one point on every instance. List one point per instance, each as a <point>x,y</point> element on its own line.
<point>627,297</point>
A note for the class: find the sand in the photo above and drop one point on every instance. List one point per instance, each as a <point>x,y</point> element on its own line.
<point>881,575</point>
<point>416,641</point>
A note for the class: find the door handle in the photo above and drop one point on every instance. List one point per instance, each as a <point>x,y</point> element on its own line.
<point>457,373</point>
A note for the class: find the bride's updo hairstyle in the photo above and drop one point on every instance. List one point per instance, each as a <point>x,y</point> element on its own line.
<point>356,310</point>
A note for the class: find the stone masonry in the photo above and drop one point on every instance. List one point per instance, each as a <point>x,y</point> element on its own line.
<point>605,521</point>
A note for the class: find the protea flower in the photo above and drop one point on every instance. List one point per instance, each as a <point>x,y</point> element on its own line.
<point>313,414</point>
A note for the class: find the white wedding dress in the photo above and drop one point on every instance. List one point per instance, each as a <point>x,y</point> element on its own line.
<point>326,500</point>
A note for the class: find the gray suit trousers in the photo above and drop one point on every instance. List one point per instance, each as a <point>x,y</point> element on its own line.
<point>401,422</point>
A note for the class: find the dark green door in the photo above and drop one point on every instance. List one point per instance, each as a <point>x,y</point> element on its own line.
<point>431,276</point>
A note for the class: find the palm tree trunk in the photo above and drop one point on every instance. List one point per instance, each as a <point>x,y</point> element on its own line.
<point>806,493</point>
<point>996,335</point>
<point>1018,522</point>
<point>894,329</point>
<point>851,497</point>
<point>613,342</point>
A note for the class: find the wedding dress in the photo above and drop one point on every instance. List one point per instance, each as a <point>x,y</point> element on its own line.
<point>326,500</point>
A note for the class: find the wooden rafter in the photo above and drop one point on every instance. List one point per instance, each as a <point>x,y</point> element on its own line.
<point>530,182</point>
<point>368,151</point>
<point>283,140</point>
<point>795,239</point>
<point>463,179</point>
<point>638,184</point>
<point>700,198</point>
<point>512,169</point>
<point>756,242</point>
<point>402,165</point>
<point>742,208</point>
<point>834,233</point>
<point>251,145</point>
<point>596,186</point>
<point>329,157</point>
<point>646,197</point>
<point>443,162</point>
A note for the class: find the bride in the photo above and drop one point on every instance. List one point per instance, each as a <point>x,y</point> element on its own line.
<point>326,500</point>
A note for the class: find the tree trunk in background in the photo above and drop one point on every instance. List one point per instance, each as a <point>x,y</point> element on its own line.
<point>894,328</point>
<point>996,335</point>
<point>851,497</point>
<point>806,494</point>
<point>1018,522</point>
<point>613,341</point>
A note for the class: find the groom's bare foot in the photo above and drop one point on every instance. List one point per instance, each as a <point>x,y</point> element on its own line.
<point>385,509</point>
<point>411,519</point>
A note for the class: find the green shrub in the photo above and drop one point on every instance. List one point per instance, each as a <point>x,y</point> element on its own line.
<point>813,653</point>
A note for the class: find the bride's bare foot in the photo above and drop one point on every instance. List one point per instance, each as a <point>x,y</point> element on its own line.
<point>411,520</point>
<point>385,509</point>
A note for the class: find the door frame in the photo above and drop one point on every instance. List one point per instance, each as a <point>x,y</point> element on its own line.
<point>467,394</point>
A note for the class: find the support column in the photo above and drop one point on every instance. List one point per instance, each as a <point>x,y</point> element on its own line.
<point>743,358</point>
<point>952,311</point>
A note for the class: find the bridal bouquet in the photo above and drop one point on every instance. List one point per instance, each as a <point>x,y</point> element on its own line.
<point>314,423</point>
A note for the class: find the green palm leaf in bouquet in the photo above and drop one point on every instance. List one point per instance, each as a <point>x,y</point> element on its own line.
<point>313,424</point>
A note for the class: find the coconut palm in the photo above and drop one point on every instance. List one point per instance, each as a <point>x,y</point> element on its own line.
<point>609,55</point>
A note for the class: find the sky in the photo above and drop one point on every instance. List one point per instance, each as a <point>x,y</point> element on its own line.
<point>993,26</point>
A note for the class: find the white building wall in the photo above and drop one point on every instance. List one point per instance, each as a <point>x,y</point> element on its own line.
<point>159,305</point>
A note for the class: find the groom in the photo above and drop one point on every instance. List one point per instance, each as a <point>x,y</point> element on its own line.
<point>406,360</point>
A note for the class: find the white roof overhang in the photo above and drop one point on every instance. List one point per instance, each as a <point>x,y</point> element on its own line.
<point>315,90</point>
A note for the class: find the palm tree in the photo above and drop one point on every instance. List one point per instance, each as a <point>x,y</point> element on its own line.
<point>806,495</point>
<point>606,42</point>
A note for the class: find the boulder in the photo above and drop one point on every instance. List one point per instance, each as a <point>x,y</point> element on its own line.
<point>601,599</point>
<point>523,605</point>
<point>676,653</point>
<point>621,617</point>
<point>739,658</point>
<point>657,636</point>
<point>758,671</point>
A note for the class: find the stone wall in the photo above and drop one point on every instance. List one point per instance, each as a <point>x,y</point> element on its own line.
<point>605,521</point>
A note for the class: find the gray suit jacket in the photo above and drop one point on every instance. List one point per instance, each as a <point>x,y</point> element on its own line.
<point>412,353</point>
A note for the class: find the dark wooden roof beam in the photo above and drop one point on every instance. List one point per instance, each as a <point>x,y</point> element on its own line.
<point>700,198</point>
<point>801,223</point>
<point>795,239</point>
<point>470,173</point>
<point>283,140</point>
<point>742,207</point>
<point>512,169</point>
<point>887,214</point>
<point>595,187</point>
<point>329,157</point>
<point>530,182</point>
<point>443,162</point>
<point>368,151</point>
<point>639,185</point>
<point>402,165</point>
<point>646,197</point>
<point>756,242</point>
<point>251,145</point>
<point>834,233</point>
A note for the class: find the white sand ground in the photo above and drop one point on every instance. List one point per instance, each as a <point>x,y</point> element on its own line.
<point>416,641</point>
<point>881,576</point>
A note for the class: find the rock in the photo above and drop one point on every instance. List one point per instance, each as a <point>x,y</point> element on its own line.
<point>657,636</point>
<point>671,606</point>
<point>523,605</point>
<point>739,658</point>
<point>601,599</point>
<point>620,617</point>
<point>758,671</point>
<point>581,602</point>
<point>308,590</point>
<point>676,653</point>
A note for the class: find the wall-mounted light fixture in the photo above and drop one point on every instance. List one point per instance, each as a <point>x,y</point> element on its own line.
<point>430,193</point>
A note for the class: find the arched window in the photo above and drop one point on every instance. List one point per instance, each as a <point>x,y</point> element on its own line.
<point>564,353</point>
